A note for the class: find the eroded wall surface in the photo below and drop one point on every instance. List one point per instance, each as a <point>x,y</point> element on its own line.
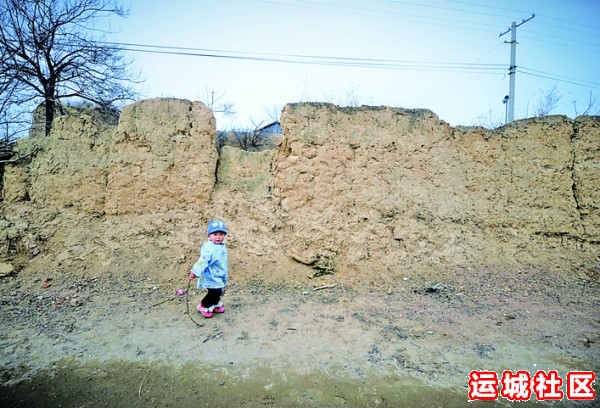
<point>160,156</point>
<point>389,187</point>
<point>372,189</point>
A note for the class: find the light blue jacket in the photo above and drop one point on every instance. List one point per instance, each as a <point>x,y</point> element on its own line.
<point>212,266</point>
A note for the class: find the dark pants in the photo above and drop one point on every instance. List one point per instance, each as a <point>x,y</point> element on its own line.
<point>212,297</point>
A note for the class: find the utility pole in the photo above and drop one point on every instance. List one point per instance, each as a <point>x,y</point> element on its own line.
<point>512,70</point>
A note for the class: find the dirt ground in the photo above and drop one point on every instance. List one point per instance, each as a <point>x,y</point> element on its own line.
<point>85,341</point>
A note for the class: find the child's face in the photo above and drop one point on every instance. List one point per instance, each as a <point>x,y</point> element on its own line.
<point>216,237</point>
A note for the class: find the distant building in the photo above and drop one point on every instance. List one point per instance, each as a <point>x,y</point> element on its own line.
<point>271,135</point>
<point>273,128</point>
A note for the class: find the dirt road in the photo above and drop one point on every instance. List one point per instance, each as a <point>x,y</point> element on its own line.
<point>81,341</point>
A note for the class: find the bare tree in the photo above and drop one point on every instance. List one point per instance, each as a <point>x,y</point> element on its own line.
<point>490,120</point>
<point>216,103</point>
<point>591,108</point>
<point>548,102</point>
<point>352,98</point>
<point>52,50</point>
<point>249,139</point>
<point>273,112</point>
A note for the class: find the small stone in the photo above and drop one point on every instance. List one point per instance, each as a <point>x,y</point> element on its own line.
<point>6,269</point>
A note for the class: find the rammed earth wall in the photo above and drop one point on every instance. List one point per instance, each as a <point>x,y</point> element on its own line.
<point>373,189</point>
<point>383,186</point>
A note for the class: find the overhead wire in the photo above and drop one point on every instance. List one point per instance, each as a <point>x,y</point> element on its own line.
<point>557,77</point>
<point>425,5</point>
<point>388,14</point>
<point>445,21</point>
<point>311,59</point>
<point>309,56</point>
<point>562,20</point>
<point>581,45</point>
<point>449,80</point>
<point>349,9</point>
<point>555,40</point>
<point>469,3</point>
<point>457,68</point>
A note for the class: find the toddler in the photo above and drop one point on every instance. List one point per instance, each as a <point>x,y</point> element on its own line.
<point>211,269</point>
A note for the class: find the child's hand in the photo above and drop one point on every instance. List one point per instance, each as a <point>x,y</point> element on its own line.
<point>192,276</point>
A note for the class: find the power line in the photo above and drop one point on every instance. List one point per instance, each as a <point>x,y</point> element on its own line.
<point>574,44</point>
<point>311,59</point>
<point>421,4</point>
<point>566,40</point>
<point>347,9</point>
<point>484,6</point>
<point>542,16</point>
<point>321,57</point>
<point>457,74</point>
<point>562,20</point>
<point>558,78</point>
<point>409,65</point>
<point>391,14</point>
<point>569,30</point>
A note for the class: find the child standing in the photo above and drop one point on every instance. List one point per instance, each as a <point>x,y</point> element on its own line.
<point>211,269</point>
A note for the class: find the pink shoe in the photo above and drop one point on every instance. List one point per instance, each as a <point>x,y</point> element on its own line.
<point>219,308</point>
<point>205,312</point>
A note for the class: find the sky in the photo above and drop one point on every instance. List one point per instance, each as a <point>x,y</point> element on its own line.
<point>447,56</point>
